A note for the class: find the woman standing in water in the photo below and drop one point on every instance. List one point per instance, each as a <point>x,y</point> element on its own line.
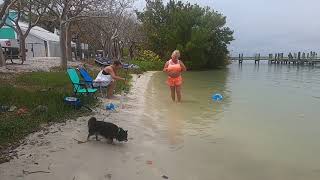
<point>174,67</point>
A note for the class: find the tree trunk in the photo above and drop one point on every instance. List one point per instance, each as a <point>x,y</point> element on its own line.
<point>114,50</point>
<point>110,49</point>
<point>23,54</point>
<point>78,46</point>
<point>121,50</point>
<point>64,62</point>
<point>68,41</point>
<point>2,58</point>
<point>131,51</point>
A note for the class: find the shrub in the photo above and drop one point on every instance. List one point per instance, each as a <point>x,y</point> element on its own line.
<point>147,55</point>
<point>148,65</point>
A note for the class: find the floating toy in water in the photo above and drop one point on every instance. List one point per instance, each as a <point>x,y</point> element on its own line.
<point>111,107</point>
<point>217,97</point>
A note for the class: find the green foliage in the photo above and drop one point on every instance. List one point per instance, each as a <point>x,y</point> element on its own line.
<point>147,55</point>
<point>148,65</point>
<point>121,85</point>
<point>199,33</point>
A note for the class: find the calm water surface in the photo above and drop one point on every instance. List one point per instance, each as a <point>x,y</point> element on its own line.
<point>266,127</point>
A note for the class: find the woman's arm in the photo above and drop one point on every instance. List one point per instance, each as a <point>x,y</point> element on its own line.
<point>165,68</point>
<point>113,75</point>
<point>182,66</point>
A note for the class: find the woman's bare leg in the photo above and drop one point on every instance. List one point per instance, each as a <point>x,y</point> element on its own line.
<point>173,93</point>
<point>111,88</point>
<point>178,90</point>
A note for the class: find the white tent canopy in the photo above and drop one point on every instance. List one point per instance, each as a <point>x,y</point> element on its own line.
<point>42,43</point>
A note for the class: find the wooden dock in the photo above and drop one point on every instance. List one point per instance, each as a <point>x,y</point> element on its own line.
<point>279,58</point>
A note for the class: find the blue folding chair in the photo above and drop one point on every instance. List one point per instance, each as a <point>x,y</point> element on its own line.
<point>86,76</point>
<point>88,79</point>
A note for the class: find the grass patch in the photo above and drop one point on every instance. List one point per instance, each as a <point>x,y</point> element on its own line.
<point>29,90</point>
<point>44,79</point>
<point>14,126</point>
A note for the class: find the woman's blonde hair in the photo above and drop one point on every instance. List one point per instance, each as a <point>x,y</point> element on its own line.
<point>176,53</point>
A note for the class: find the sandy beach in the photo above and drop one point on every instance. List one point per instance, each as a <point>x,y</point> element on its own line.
<point>57,153</point>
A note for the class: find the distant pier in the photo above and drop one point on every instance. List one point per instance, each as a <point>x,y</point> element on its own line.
<point>299,58</point>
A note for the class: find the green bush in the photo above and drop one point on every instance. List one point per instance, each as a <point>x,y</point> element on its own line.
<point>148,65</point>
<point>200,33</point>
<point>147,55</point>
<point>121,85</point>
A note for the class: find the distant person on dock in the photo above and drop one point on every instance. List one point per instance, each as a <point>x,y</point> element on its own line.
<point>174,67</point>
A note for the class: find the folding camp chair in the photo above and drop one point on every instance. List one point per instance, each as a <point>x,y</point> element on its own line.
<point>89,80</point>
<point>78,86</point>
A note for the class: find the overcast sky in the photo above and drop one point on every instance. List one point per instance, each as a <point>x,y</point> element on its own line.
<point>269,25</point>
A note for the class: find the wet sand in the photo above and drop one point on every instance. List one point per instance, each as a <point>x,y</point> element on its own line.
<point>55,153</point>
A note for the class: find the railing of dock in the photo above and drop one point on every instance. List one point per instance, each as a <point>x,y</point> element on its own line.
<point>310,58</point>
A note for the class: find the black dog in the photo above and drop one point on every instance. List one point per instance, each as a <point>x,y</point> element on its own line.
<point>107,130</point>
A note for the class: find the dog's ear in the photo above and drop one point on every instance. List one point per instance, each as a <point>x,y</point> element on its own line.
<point>126,131</point>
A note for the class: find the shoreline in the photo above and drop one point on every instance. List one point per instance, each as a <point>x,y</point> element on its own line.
<point>58,152</point>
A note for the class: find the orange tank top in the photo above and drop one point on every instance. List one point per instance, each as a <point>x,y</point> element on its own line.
<point>174,67</point>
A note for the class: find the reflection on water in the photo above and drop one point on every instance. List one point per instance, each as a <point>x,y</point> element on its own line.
<point>197,114</point>
<point>175,124</point>
<point>266,127</point>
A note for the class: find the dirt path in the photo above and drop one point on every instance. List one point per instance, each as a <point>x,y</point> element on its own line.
<point>56,153</point>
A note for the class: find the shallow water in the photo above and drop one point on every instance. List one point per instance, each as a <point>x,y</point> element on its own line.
<point>266,127</point>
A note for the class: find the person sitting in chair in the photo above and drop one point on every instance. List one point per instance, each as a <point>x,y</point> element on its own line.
<point>108,77</point>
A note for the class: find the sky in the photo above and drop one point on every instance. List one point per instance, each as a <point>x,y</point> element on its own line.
<point>268,26</point>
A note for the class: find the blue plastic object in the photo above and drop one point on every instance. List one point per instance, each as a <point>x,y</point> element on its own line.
<point>111,107</point>
<point>72,101</point>
<point>126,66</point>
<point>217,97</point>
<point>130,66</point>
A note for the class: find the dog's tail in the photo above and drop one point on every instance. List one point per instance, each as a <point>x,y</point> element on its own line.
<point>92,121</point>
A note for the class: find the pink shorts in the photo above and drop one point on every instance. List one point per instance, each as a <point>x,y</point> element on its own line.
<point>174,81</point>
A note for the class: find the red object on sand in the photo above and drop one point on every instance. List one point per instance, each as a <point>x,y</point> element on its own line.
<point>149,162</point>
<point>22,111</point>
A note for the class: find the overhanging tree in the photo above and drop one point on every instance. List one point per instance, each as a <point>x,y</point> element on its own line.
<point>199,33</point>
<point>65,12</point>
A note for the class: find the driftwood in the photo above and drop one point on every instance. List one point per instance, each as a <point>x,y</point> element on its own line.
<point>32,172</point>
